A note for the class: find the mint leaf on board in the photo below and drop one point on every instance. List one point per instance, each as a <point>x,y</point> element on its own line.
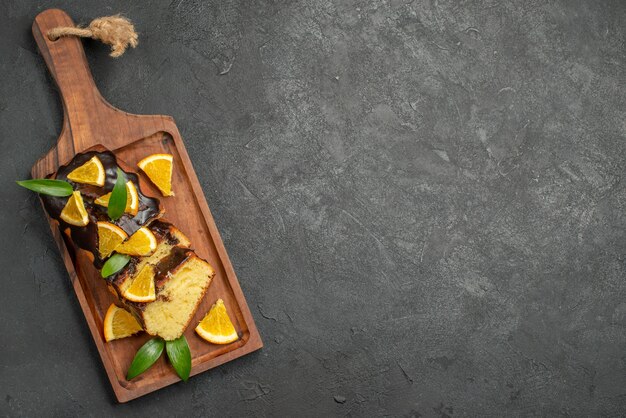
<point>48,187</point>
<point>114,264</point>
<point>146,356</point>
<point>180,356</point>
<point>117,202</point>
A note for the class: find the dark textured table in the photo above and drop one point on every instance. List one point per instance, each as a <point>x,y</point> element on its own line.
<point>423,201</point>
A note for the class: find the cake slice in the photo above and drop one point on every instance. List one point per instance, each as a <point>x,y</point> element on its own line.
<point>181,277</point>
<point>168,236</point>
<point>181,280</point>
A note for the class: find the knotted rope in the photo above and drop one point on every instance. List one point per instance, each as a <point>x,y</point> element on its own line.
<point>116,31</point>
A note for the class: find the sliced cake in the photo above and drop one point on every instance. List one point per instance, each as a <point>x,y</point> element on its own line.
<point>181,280</point>
<point>176,277</point>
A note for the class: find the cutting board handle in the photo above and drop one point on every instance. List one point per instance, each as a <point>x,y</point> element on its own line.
<point>68,65</point>
<point>88,119</point>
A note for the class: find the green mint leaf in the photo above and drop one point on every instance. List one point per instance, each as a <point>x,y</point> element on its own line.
<point>49,187</point>
<point>180,356</point>
<point>117,202</point>
<point>146,356</point>
<point>114,264</point>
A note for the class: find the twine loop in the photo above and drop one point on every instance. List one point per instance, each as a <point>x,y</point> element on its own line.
<point>116,31</point>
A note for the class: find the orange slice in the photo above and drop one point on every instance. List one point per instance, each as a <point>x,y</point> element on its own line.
<point>92,172</point>
<point>109,237</point>
<point>216,327</point>
<point>158,168</point>
<point>142,287</point>
<point>119,323</point>
<point>132,199</point>
<point>143,242</point>
<point>74,212</point>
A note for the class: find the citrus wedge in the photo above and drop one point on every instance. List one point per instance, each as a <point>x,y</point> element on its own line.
<point>216,326</point>
<point>143,242</point>
<point>119,323</point>
<point>142,287</point>
<point>158,168</point>
<point>74,212</point>
<point>92,172</point>
<point>132,199</point>
<point>109,237</point>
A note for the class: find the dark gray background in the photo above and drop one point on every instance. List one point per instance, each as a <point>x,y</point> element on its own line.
<point>423,201</point>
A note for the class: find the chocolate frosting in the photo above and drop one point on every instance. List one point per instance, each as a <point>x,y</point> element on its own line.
<point>86,237</point>
<point>162,230</point>
<point>169,263</point>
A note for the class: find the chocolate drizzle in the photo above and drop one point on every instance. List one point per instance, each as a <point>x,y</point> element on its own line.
<point>87,237</point>
<point>163,232</point>
<point>163,268</point>
<point>162,229</point>
<point>167,265</point>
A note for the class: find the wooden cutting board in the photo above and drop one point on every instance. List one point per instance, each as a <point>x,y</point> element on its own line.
<point>89,121</point>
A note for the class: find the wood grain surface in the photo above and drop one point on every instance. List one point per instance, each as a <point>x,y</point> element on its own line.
<point>89,121</point>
